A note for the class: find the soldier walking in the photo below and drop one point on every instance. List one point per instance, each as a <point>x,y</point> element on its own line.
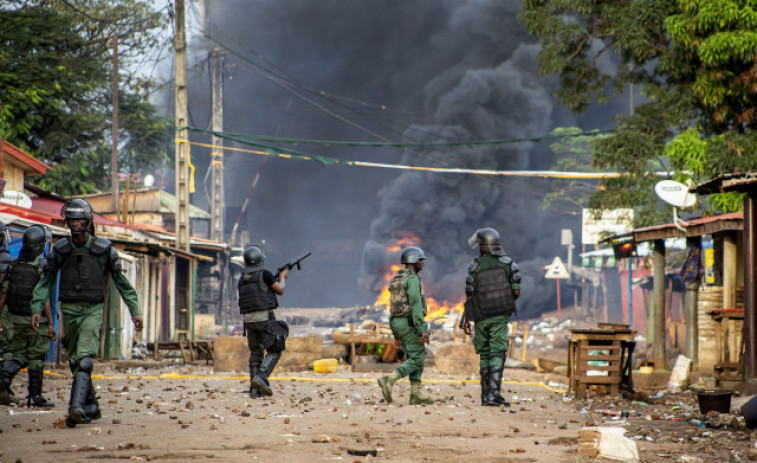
<point>28,346</point>
<point>492,285</point>
<point>83,262</point>
<point>258,289</point>
<point>408,307</point>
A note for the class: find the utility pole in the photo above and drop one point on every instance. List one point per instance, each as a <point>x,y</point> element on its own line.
<point>217,206</point>
<point>182,135</point>
<point>114,132</point>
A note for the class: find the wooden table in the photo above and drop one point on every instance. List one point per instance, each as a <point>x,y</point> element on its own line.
<point>611,346</point>
<point>190,350</point>
<point>728,322</point>
<point>354,341</point>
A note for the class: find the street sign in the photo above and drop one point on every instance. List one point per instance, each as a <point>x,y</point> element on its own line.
<point>557,270</point>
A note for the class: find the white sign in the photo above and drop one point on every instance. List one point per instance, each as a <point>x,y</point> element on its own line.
<point>611,222</point>
<point>16,198</point>
<point>557,270</point>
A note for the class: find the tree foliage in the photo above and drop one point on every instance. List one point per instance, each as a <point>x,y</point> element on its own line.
<point>695,63</point>
<point>56,89</point>
<point>573,153</point>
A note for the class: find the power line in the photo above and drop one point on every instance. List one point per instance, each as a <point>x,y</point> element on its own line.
<point>298,141</point>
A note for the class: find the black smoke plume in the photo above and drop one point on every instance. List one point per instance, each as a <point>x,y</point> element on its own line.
<point>412,70</point>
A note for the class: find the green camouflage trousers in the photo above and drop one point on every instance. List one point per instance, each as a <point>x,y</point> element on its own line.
<point>28,347</point>
<point>7,333</point>
<point>412,347</point>
<point>491,341</point>
<point>81,325</point>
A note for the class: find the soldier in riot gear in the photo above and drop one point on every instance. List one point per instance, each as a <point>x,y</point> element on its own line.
<point>29,346</point>
<point>6,325</point>
<point>408,307</point>
<point>258,289</point>
<point>83,262</point>
<point>492,285</point>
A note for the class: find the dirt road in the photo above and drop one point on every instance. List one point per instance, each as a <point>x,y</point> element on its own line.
<point>189,414</point>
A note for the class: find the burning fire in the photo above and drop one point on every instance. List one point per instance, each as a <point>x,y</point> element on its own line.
<point>436,310</point>
<point>398,244</point>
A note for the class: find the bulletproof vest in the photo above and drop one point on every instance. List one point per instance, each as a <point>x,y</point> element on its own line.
<point>82,276</point>
<point>399,304</point>
<point>22,279</point>
<point>492,295</point>
<point>5,261</point>
<point>254,294</point>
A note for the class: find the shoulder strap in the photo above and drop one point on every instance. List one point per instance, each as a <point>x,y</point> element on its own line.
<point>63,246</point>
<point>100,245</point>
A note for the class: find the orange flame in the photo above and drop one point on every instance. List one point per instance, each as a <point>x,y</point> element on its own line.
<point>407,240</point>
<point>436,310</point>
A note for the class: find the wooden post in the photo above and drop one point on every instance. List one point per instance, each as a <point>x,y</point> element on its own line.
<point>660,360</point>
<point>114,132</point>
<point>523,344</point>
<point>558,299</point>
<point>729,270</point>
<point>182,134</point>
<point>691,303</point>
<point>750,286</point>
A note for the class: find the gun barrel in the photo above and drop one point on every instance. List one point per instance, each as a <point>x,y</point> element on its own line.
<point>294,263</point>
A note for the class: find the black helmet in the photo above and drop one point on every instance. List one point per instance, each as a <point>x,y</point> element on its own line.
<point>487,239</point>
<point>35,238</point>
<point>5,236</point>
<point>411,255</point>
<point>77,208</point>
<point>253,258</point>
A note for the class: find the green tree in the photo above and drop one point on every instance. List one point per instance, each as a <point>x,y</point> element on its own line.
<point>695,64</point>
<point>56,91</point>
<point>573,153</point>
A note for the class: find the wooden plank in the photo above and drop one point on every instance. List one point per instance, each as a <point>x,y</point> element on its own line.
<point>599,379</point>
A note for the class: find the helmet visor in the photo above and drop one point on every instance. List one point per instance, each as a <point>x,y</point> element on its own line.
<point>473,240</point>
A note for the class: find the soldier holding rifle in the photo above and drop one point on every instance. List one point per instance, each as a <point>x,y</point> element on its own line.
<point>258,291</point>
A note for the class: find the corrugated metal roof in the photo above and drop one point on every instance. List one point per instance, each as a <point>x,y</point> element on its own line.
<point>693,228</point>
<point>168,206</point>
<point>738,181</point>
<point>35,166</point>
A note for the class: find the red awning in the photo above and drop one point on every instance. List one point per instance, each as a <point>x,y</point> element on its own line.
<point>53,206</point>
<point>30,214</point>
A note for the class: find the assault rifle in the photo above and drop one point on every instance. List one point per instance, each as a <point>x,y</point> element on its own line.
<point>296,262</point>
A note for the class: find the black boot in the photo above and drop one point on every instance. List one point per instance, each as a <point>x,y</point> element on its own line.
<point>493,397</point>
<point>91,407</point>
<point>260,381</point>
<point>79,393</point>
<point>35,398</point>
<point>254,392</point>
<point>8,370</point>
<point>484,384</point>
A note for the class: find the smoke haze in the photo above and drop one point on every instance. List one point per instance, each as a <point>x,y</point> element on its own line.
<point>450,70</point>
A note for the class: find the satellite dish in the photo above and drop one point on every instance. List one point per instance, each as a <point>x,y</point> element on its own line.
<point>674,193</point>
<point>149,180</point>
